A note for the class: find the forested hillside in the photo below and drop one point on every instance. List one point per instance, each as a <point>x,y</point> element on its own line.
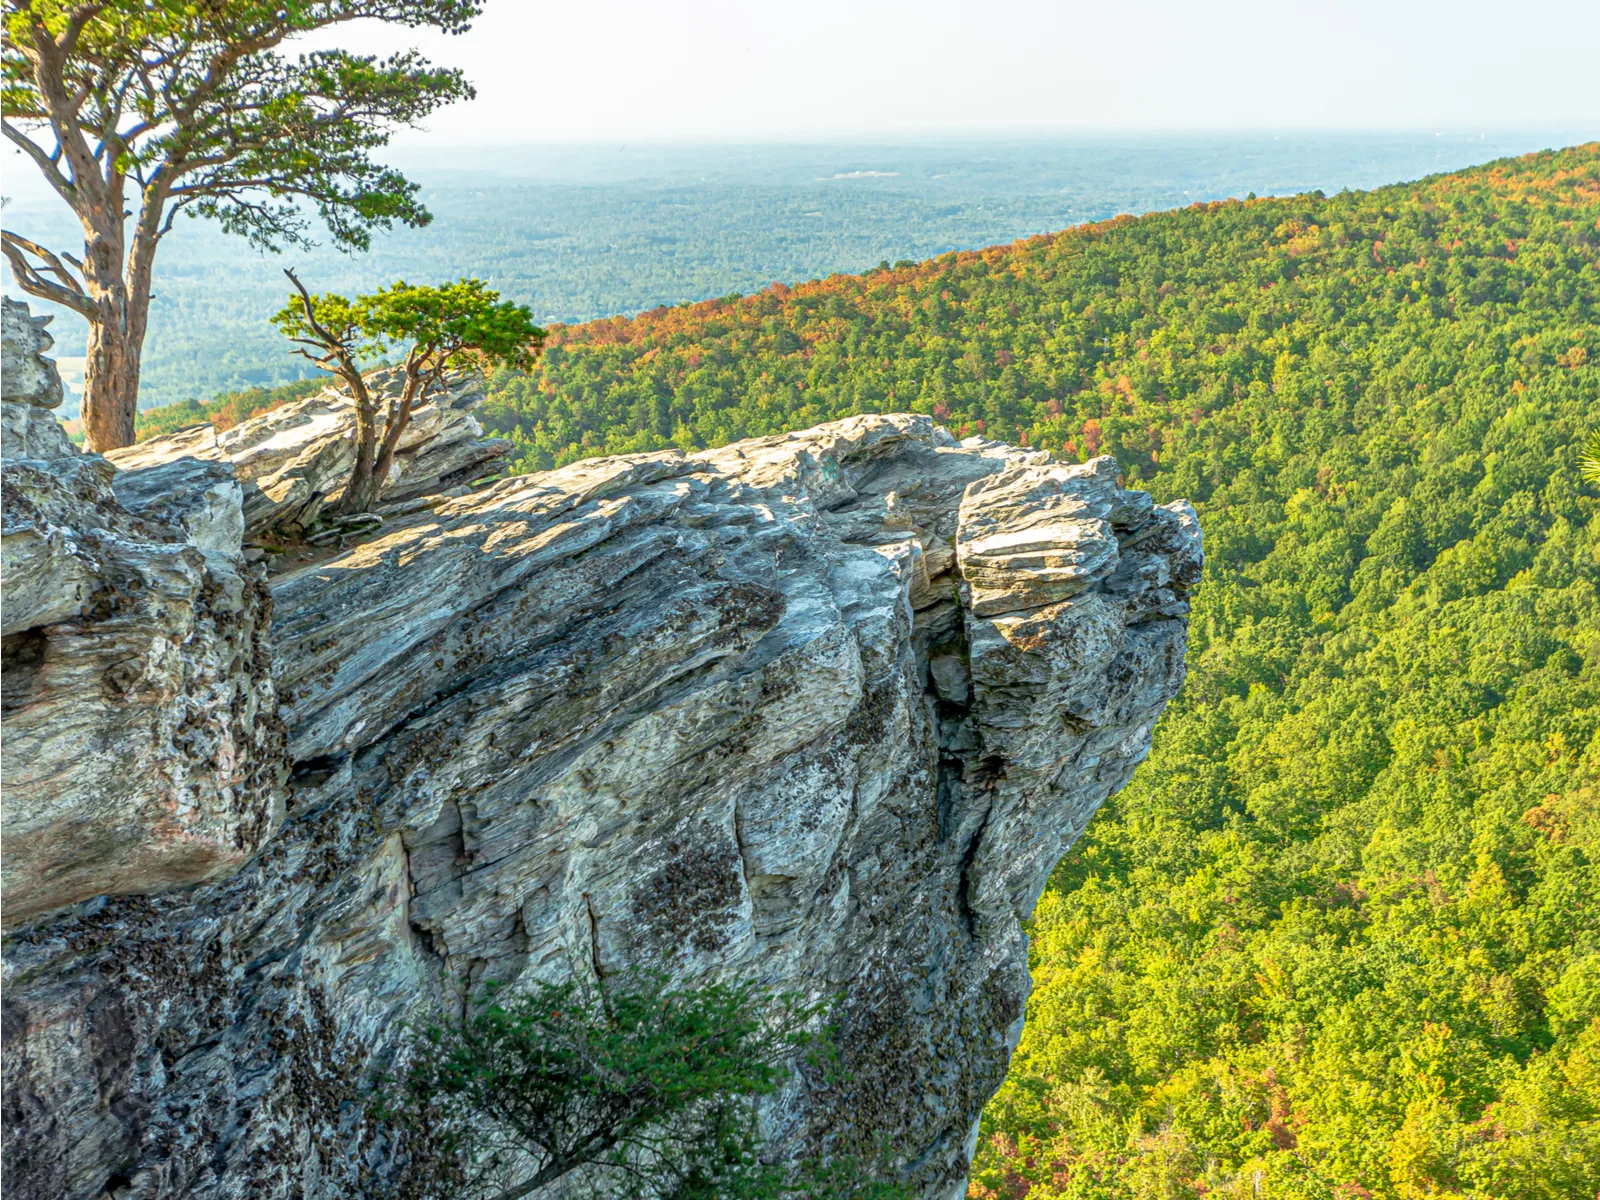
<point>1341,936</point>
<point>580,232</point>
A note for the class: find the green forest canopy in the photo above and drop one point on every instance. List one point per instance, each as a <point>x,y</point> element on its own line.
<point>1340,938</point>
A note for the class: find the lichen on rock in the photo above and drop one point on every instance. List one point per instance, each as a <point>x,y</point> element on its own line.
<point>142,745</point>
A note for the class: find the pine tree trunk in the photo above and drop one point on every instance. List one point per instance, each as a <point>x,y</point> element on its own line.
<point>88,169</point>
<point>368,478</point>
<point>363,486</point>
<point>116,332</point>
<point>110,387</point>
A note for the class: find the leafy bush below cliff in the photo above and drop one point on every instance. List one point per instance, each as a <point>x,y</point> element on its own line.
<point>646,1092</point>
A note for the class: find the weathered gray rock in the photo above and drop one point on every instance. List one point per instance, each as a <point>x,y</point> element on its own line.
<point>29,387</point>
<point>28,431</point>
<point>142,746</point>
<point>820,710</point>
<point>296,459</point>
<point>26,375</point>
<point>201,498</point>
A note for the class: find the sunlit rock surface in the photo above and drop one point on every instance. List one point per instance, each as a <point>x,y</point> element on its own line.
<point>821,710</point>
<point>293,460</point>
<point>30,387</point>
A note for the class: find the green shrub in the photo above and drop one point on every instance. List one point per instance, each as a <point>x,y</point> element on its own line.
<point>644,1091</point>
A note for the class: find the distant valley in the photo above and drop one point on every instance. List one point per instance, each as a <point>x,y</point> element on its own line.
<point>581,232</point>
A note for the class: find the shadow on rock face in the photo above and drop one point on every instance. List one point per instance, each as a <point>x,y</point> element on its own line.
<point>820,710</point>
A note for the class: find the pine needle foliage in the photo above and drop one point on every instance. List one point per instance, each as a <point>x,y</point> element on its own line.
<point>645,1091</point>
<point>1589,460</point>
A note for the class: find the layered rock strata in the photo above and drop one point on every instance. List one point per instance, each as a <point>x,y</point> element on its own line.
<point>820,710</point>
<point>294,460</point>
<point>30,387</point>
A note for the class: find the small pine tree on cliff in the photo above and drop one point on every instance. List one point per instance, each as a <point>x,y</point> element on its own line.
<point>644,1093</point>
<point>438,328</point>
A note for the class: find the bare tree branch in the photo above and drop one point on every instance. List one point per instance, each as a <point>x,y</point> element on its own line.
<point>52,262</point>
<point>45,162</point>
<point>76,24</point>
<point>31,276</point>
<point>320,331</point>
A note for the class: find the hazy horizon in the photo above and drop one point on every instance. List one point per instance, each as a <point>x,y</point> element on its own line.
<point>580,230</point>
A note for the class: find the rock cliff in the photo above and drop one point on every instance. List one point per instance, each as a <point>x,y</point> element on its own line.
<point>293,460</point>
<point>821,710</point>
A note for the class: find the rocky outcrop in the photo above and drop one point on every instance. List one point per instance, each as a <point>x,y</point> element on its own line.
<point>820,710</point>
<point>142,746</point>
<point>295,459</point>
<point>30,387</point>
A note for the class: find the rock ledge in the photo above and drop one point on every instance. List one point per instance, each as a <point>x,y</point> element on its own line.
<point>821,710</point>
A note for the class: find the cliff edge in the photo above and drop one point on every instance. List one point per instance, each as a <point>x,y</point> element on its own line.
<point>821,710</point>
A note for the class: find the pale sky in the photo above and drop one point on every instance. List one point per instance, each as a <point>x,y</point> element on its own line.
<point>755,70</point>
